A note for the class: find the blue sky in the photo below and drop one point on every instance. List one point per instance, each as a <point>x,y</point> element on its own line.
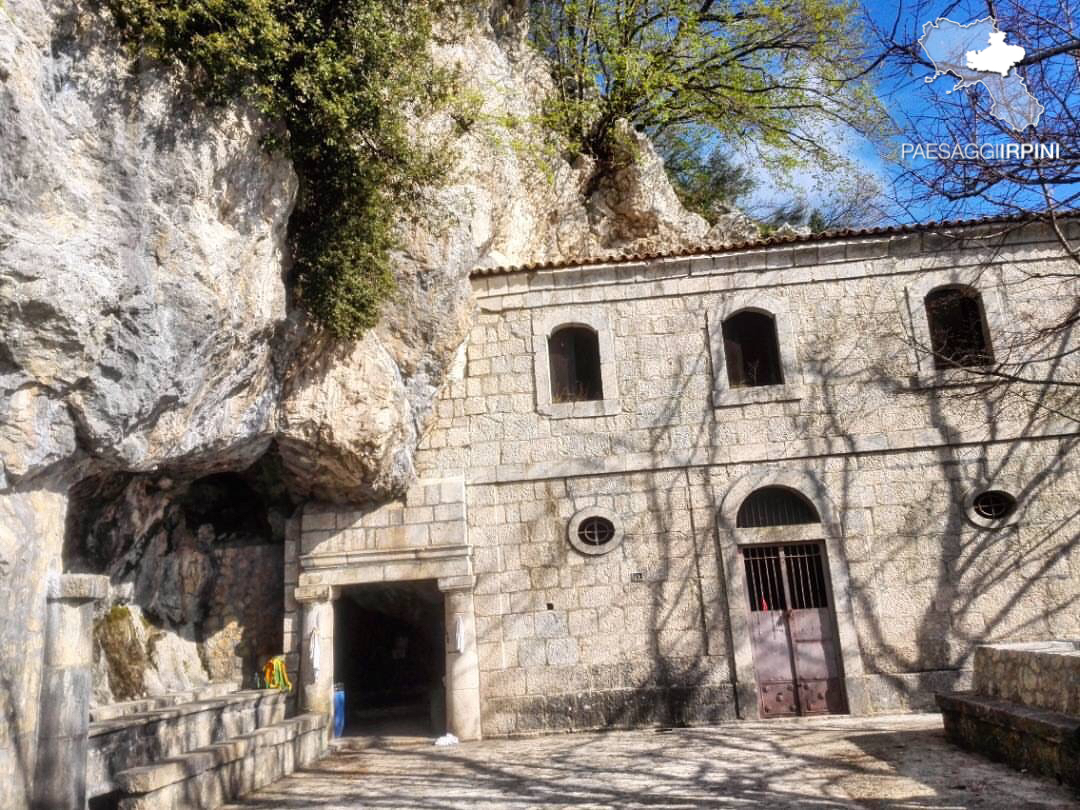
<point>908,97</point>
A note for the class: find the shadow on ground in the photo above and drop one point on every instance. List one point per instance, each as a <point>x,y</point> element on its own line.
<point>896,762</point>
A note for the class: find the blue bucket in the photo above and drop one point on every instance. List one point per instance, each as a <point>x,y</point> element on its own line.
<point>339,709</point>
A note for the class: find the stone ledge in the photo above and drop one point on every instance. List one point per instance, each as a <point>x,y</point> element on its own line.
<point>317,560</point>
<point>792,451</point>
<point>77,587</point>
<point>724,397</point>
<point>254,697</point>
<point>148,778</point>
<point>1055,727</point>
<point>842,258</point>
<point>634,707</point>
<point>312,593</point>
<point>113,711</point>
<point>1039,740</point>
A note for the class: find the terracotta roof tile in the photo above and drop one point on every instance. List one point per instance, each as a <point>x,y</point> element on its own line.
<point>615,257</point>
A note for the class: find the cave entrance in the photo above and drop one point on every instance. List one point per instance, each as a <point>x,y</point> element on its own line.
<point>390,658</point>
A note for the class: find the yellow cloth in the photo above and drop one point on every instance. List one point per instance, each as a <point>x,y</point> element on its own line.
<point>275,676</point>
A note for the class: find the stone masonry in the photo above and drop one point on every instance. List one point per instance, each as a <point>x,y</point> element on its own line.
<point>1023,708</point>
<point>889,451</point>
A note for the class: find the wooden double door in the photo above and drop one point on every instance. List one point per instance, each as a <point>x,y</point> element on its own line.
<point>793,630</point>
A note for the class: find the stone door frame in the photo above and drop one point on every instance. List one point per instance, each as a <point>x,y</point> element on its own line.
<point>422,536</point>
<point>829,532</point>
<point>462,682</point>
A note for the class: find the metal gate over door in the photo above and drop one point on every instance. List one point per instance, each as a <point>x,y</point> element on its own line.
<point>792,631</point>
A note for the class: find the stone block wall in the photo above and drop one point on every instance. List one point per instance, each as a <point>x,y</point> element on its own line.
<point>888,450</point>
<point>858,382</point>
<point>926,586</point>
<point>422,535</point>
<point>244,612</point>
<point>897,450</point>
<point>1043,675</point>
<point>1024,709</point>
<point>568,640</point>
<point>369,544</point>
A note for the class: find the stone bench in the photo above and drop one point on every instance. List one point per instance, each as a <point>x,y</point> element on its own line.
<point>131,739</point>
<point>1024,708</point>
<point>114,711</point>
<point>1037,740</point>
<point>210,776</point>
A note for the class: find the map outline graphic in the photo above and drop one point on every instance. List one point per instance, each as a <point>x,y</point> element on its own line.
<point>948,44</point>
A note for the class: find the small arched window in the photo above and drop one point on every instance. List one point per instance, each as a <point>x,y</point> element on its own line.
<point>574,354</point>
<point>775,506</point>
<point>752,350</point>
<point>958,333</point>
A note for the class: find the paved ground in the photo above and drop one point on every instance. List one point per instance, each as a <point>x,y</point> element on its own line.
<point>889,762</point>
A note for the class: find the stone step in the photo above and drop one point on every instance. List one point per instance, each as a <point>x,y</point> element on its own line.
<point>131,740</point>
<point>1038,740</point>
<point>114,711</point>
<point>215,774</point>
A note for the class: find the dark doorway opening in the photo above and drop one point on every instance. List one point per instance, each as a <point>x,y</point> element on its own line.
<point>389,656</point>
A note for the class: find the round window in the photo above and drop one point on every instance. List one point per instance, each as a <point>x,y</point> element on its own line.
<point>993,505</point>
<point>594,531</point>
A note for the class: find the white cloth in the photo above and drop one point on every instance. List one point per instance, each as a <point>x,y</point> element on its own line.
<point>315,651</point>
<point>459,634</point>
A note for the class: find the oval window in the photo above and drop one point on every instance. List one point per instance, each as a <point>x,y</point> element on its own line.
<point>994,504</point>
<point>594,531</point>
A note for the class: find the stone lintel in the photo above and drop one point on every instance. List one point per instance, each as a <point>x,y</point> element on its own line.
<point>77,587</point>
<point>312,593</point>
<point>459,583</point>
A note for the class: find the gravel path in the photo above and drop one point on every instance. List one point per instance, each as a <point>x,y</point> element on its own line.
<point>879,762</point>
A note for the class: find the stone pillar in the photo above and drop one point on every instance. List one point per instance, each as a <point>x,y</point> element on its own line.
<point>316,676</point>
<point>462,663</point>
<point>60,772</point>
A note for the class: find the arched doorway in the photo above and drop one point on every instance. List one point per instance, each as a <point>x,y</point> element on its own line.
<point>792,623</point>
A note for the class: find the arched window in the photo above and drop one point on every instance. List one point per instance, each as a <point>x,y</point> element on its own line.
<point>775,506</point>
<point>752,350</point>
<point>958,334</point>
<point>574,354</point>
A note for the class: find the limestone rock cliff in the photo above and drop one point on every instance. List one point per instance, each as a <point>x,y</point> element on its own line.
<point>144,320</point>
<point>142,241</point>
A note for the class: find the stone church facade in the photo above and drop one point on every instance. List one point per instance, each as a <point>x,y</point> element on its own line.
<point>752,481</point>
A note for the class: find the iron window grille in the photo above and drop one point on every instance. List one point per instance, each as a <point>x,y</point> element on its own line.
<point>958,333</point>
<point>775,506</point>
<point>782,577</point>
<point>596,531</point>
<point>994,504</point>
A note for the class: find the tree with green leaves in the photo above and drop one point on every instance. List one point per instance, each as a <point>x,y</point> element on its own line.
<point>704,176</point>
<point>339,77</point>
<point>766,79</point>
